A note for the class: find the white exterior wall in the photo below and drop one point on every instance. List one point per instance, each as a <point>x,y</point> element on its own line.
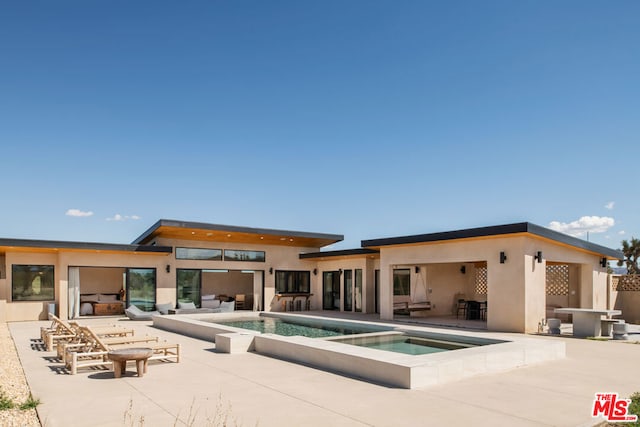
<point>276,257</point>
<point>516,289</point>
<point>367,265</point>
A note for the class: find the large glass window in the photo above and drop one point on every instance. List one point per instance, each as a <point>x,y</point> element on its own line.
<point>199,254</point>
<point>237,255</point>
<point>141,288</point>
<point>189,285</point>
<point>288,282</point>
<point>348,290</point>
<point>401,282</point>
<point>32,283</point>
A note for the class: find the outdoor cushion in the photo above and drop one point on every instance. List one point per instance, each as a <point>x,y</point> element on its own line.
<point>86,308</point>
<point>227,306</point>
<point>164,308</point>
<point>91,297</point>
<point>210,303</point>
<point>134,313</point>
<point>186,305</point>
<point>208,297</point>
<point>107,298</point>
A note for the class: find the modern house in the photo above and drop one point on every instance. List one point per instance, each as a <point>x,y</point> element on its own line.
<point>517,270</point>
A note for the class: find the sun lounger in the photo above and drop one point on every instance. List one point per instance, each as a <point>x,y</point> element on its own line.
<point>61,331</point>
<point>81,341</point>
<point>96,351</point>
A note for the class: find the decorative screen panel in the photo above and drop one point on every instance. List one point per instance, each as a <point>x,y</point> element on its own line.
<point>629,283</point>
<point>615,281</point>
<point>481,280</point>
<point>558,279</point>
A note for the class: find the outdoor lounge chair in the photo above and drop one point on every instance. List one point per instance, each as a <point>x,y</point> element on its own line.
<point>81,340</point>
<point>63,331</point>
<point>225,307</point>
<point>134,313</point>
<point>96,351</point>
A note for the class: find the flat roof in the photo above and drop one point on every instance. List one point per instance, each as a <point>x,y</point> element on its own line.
<point>188,230</point>
<point>497,230</point>
<point>54,245</point>
<point>339,253</point>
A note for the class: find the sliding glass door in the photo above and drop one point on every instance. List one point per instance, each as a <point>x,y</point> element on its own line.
<point>189,285</point>
<point>141,288</point>
<point>331,290</point>
<point>348,290</point>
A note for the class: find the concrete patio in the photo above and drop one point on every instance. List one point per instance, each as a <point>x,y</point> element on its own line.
<point>208,388</point>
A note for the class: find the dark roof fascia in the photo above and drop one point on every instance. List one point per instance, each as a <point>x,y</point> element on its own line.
<point>345,252</point>
<point>57,244</point>
<point>233,228</point>
<point>520,227</point>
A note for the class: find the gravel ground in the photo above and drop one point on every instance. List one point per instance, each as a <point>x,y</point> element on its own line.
<point>13,384</point>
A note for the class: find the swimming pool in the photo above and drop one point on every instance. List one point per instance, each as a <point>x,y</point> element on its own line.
<point>408,344</point>
<point>394,368</point>
<point>293,327</point>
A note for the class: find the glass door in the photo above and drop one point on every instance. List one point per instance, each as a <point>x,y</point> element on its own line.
<point>376,280</point>
<point>331,290</point>
<point>357,291</point>
<point>348,290</point>
<point>141,288</point>
<point>189,285</point>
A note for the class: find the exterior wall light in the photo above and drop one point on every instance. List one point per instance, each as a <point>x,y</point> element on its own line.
<point>538,257</point>
<point>463,269</point>
<point>315,271</point>
<point>270,270</point>
<point>417,269</point>
<point>603,262</point>
<point>503,257</point>
<point>168,268</point>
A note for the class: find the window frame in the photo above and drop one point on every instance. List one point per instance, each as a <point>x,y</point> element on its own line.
<point>396,285</point>
<point>17,298</point>
<point>296,282</point>
<point>217,257</point>
<point>246,251</point>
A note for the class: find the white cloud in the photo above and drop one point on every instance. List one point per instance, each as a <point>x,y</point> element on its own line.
<point>78,212</point>
<point>610,205</point>
<point>622,232</point>
<point>586,224</point>
<point>118,217</point>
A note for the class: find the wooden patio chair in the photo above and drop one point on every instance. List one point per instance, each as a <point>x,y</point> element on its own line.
<point>110,336</point>
<point>96,351</point>
<point>66,331</point>
<point>58,330</point>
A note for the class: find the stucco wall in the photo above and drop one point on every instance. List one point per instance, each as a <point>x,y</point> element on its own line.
<point>94,280</point>
<point>516,289</point>
<point>368,293</point>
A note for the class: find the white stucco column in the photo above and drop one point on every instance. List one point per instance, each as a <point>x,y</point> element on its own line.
<point>505,294</point>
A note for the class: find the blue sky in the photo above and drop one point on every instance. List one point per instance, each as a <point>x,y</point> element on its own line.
<point>364,118</point>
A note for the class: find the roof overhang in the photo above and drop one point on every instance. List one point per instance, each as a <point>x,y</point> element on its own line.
<point>55,246</point>
<point>522,228</point>
<point>184,230</point>
<point>347,253</point>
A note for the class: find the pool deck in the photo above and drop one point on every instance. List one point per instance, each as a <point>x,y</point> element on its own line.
<point>250,389</point>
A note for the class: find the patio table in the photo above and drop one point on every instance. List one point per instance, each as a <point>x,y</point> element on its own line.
<point>121,356</point>
<point>586,321</point>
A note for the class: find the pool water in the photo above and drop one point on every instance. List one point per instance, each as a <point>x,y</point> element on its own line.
<point>273,325</point>
<point>400,343</point>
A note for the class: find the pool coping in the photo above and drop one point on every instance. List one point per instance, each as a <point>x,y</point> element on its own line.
<point>382,367</point>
